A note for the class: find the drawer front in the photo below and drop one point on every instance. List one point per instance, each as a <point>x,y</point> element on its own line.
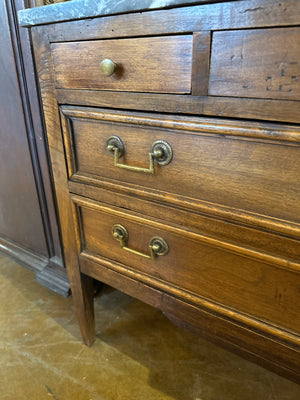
<point>243,173</point>
<point>155,64</point>
<point>258,63</point>
<point>210,271</point>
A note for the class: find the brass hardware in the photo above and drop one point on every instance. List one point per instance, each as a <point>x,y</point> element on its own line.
<point>158,246</point>
<point>107,67</point>
<point>161,152</point>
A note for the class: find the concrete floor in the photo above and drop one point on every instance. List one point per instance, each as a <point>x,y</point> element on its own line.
<point>138,354</point>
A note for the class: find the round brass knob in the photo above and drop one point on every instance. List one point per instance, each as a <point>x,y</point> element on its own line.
<point>159,246</point>
<point>107,67</point>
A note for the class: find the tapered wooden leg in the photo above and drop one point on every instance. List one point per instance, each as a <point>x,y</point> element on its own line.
<point>83,296</point>
<point>81,285</point>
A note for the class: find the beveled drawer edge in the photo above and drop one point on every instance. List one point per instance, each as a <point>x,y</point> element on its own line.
<point>210,241</point>
<point>269,329</point>
<point>248,130</point>
<point>208,106</point>
<point>246,218</point>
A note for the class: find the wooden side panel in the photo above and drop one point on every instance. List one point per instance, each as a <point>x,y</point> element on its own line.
<point>157,64</point>
<point>259,63</point>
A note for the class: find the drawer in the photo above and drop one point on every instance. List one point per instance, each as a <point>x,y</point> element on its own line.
<point>257,63</point>
<point>154,64</point>
<point>243,166</point>
<point>192,263</point>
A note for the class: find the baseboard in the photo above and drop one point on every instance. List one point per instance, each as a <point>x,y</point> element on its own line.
<point>54,277</point>
<point>49,272</point>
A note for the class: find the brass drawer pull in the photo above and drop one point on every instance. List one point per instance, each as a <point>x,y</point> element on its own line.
<point>161,152</point>
<point>108,67</point>
<point>158,246</point>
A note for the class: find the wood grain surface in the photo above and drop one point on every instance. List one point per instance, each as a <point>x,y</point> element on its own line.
<point>230,170</point>
<point>227,204</point>
<point>252,287</point>
<point>258,63</point>
<point>158,64</point>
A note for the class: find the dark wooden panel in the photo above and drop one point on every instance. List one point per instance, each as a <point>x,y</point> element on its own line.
<point>260,63</point>
<point>20,217</point>
<point>158,64</point>
<point>31,233</point>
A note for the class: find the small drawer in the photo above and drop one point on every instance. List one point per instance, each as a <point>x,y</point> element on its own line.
<point>257,63</point>
<point>154,64</point>
<point>187,261</point>
<point>242,166</point>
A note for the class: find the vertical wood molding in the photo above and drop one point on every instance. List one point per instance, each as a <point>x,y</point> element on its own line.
<point>201,60</point>
<point>49,266</point>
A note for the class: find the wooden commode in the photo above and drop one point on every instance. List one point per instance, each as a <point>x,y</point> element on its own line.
<point>174,141</point>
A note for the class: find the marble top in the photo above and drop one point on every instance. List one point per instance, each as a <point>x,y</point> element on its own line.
<point>77,9</point>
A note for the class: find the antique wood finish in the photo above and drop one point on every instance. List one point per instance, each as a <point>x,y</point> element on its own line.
<point>262,244</point>
<point>256,63</point>
<point>251,286</point>
<point>158,64</point>
<point>80,284</point>
<point>201,60</point>
<point>258,109</point>
<point>201,20</point>
<point>219,164</point>
<point>207,322</point>
<point>220,16</point>
<point>228,202</point>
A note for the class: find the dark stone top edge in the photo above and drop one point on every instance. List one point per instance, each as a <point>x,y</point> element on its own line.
<point>80,9</point>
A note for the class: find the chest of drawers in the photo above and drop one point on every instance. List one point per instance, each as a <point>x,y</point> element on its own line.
<point>176,166</point>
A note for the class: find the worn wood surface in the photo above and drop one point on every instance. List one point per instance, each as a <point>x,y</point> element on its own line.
<point>201,60</point>
<point>232,171</point>
<point>159,64</point>
<point>81,285</point>
<point>227,204</point>
<point>252,344</point>
<point>203,268</point>
<point>260,63</point>
<point>220,16</point>
<point>261,242</point>
<point>258,109</point>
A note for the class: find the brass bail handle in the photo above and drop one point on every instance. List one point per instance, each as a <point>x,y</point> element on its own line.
<point>157,245</point>
<point>108,67</point>
<point>161,153</point>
